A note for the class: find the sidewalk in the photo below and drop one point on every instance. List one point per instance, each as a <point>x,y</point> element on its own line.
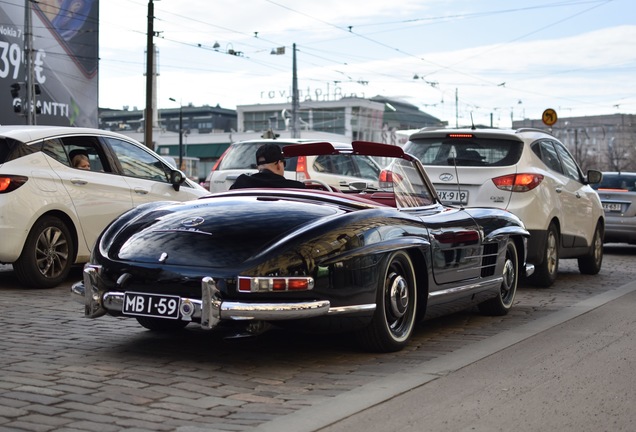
<point>573,370</point>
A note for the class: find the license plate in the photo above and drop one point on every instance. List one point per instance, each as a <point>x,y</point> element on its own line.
<point>454,196</point>
<point>151,305</point>
<point>612,207</point>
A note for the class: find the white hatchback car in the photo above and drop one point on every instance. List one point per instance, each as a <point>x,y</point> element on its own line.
<point>531,174</point>
<point>338,172</point>
<point>51,213</point>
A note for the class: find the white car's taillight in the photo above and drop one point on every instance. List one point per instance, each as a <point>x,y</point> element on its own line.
<point>301,169</point>
<point>518,182</point>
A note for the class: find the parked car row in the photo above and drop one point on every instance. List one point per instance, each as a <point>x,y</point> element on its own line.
<point>452,219</point>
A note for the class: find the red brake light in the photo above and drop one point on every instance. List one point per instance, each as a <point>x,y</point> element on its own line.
<point>268,284</point>
<point>218,161</point>
<point>388,178</point>
<point>461,135</point>
<point>301,169</point>
<point>11,183</point>
<point>518,182</point>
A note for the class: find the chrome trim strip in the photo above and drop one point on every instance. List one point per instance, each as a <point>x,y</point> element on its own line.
<point>274,311</point>
<point>351,309</point>
<point>474,286</point>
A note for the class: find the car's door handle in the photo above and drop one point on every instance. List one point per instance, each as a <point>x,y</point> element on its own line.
<point>578,195</point>
<point>141,191</point>
<point>79,182</point>
<point>559,190</point>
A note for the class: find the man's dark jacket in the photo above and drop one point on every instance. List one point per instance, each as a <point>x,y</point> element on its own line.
<point>265,179</point>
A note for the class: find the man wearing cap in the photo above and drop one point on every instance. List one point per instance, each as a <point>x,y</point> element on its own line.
<point>271,170</point>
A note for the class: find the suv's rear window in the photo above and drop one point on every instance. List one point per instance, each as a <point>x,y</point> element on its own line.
<point>621,181</point>
<point>465,151</point>
<point>239,156</point>
<point>243,156</point>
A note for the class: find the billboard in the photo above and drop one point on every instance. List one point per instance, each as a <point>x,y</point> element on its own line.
<point>64,61</point>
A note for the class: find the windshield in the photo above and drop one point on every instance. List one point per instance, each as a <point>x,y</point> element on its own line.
<point>404,180</point>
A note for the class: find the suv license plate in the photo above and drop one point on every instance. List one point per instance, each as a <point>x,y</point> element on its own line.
<point>453,196</point>
<point>151,305</point>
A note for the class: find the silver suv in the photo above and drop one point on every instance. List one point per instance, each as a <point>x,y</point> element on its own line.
<point>531,174</point>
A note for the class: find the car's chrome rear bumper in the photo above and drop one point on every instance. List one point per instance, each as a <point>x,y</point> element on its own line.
<point>209,310</point>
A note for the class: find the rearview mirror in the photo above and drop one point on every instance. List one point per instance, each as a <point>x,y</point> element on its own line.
<point>594,176</point>
<point>177,178</point>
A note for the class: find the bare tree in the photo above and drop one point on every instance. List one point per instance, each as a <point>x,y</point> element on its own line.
<point>620,153</point>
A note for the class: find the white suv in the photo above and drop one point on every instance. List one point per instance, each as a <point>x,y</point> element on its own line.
<point>338,172</point>
<point>51,213</point>
<point>531,174</point>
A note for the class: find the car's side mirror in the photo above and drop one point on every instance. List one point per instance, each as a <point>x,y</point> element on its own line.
<point>177,178</point>
<point>594,176</point>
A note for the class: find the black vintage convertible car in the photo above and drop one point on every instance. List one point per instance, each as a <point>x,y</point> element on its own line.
<point>370,260</point>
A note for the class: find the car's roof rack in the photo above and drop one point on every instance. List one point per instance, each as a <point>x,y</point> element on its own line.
<point>531,129</point>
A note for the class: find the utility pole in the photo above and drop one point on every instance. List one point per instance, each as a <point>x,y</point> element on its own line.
<point>180,133</point>
<point>150,56</point>
<point>30,104</point>
<point>456,108</point>
<point>295,102</point>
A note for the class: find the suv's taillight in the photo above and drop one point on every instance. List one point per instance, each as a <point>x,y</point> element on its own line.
<point>518,182</point>
<point>301,169</point>
<point>11,183</point>
<point>218,161</point>
<point>388,178</point>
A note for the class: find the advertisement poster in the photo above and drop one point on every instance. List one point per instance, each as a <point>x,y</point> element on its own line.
<point>64,62</point>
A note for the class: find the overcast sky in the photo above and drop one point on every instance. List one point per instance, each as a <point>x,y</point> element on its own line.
<point>495,59</point>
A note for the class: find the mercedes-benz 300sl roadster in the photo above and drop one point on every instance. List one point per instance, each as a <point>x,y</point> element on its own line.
<point>370,258</point>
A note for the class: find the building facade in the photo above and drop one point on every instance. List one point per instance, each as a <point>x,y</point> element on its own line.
<point>605,142</point>
<point>208,131</point>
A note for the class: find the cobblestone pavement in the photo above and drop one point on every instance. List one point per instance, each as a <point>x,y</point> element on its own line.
<point>62,372</point>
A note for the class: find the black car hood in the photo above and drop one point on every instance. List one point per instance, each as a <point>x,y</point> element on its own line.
<point>219,232</point>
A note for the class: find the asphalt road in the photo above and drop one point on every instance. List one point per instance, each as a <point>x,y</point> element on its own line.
<point>560,352</point>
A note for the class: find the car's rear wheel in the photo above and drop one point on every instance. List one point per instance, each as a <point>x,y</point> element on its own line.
<point>396,304</point>
<point>47,255</point>
<point>501,304</point>
<point>546,273</point>
<point>591,263</point>
<point>161,324</point>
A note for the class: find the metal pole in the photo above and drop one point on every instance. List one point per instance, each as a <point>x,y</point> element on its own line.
<point>295,102</point>
<point>181,137</point>
<point>456,108</point>
<point>150,53</point>
<point>28,50</point>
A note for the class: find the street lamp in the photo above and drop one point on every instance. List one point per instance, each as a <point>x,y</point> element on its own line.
<point>180,133</point>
